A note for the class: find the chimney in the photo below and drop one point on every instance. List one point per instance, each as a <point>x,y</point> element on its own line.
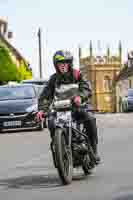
<point>3,27</point>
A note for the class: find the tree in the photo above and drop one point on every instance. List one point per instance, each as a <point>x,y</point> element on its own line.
<point>8,70</point>
<point>23,72</point>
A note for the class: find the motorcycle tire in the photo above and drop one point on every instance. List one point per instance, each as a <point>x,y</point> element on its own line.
<point>61,152</point>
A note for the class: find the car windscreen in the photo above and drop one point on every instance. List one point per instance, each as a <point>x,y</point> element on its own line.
<point>39,89</point>
<point>130,92</point>
<point>9,93</point>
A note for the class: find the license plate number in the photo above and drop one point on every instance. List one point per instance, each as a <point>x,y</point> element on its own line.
<point>12,123</point>
<point>66,116</point>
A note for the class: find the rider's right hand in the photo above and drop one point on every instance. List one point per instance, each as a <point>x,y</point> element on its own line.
<point>77,101</point>
<point>40,116</point>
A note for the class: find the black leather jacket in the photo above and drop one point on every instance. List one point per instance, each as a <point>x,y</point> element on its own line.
<point>47,94</point>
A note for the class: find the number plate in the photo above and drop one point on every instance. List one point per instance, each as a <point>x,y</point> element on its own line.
<point>12,123</point>
<point>66,116</point>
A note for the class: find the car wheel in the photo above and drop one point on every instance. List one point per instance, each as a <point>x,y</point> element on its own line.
<point>40,126</point>
<point>1,131</point>
<point>44,124</point>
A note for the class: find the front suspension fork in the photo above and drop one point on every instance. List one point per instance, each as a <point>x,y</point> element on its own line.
<point>53,153</point>
<point>68,136</point>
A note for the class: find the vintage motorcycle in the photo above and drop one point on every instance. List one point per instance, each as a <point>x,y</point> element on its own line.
<point>65,149</point>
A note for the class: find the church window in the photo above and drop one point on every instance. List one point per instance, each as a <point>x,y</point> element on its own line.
<point>107,83</point>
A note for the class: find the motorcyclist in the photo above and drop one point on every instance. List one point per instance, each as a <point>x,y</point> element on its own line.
<point>66,74</point>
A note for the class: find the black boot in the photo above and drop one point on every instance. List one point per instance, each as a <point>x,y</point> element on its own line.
<point>94,139</point>
<point>98,159</point>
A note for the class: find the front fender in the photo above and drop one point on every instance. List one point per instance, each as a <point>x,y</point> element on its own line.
<point>65,131</point>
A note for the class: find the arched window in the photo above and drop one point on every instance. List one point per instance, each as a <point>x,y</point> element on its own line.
<point>107,83</point>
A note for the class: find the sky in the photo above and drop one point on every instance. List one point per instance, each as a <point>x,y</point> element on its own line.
<point>66,24</point>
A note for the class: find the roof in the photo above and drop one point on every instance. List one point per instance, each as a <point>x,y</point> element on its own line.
<point>16,85</point>
<point>36,79</point>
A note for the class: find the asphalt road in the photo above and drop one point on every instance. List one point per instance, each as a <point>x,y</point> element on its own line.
<point>27,172</point>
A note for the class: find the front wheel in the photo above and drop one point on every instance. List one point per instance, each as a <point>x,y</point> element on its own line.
<point>63,157</point>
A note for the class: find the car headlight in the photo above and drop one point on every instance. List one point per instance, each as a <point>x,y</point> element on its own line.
<point>32,108</point>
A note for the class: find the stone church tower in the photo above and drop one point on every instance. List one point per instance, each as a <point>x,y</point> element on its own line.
<point>101,71</point>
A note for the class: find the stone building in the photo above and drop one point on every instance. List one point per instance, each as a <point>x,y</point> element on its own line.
<point>101,71</point>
